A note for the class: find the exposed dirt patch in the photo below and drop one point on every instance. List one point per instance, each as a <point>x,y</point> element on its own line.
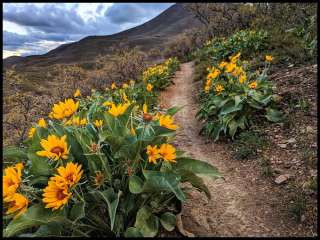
<point>244,204</point>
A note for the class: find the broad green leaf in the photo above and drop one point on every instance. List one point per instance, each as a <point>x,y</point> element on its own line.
<point>133,232</point>
<point>77,211</point>
<point>197,182</point>
<point>273,115</point>
<point>35,215</point>
<point>233,126</point>
<point>39,165</point>
<point>146,222</point>
<point>230,109</point>
<point>168,221</point>
<point>163,181</point>
<point>173,110</point>
<point>112,201</point>
<point>14,153</point>
<point>135,184</point>
<point>198,167</point>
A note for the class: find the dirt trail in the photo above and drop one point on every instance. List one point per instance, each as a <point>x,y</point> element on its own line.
<point>239,206</point>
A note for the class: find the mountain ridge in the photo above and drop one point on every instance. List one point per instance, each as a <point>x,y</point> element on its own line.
<point>155,32</point>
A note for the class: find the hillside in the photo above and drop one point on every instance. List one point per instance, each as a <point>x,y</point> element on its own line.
<point>153,33</point>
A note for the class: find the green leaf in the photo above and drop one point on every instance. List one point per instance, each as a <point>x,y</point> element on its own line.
<point>196,166</point>
<point>273,115</point>
<point>197,182</point>
<point>133,232</point>
<point>35,215</point>
<point>39,165</point>
<point>174,110</point>
<point>163,181</point>
<point>14,153</point>
<point>233,126</point>
<point>77,211</point>
<point>112,201</point>
<point>168,221</point>
<point>146,222</point>
<point>135,184</point>
<point>230,109</point>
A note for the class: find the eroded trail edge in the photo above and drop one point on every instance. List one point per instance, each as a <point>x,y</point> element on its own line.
<point>240,204</point>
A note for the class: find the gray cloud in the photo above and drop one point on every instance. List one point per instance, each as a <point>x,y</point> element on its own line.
<point>134,12</point>
<point>55,22</point>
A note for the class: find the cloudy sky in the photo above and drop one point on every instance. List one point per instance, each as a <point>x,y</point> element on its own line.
<point>36,28</point>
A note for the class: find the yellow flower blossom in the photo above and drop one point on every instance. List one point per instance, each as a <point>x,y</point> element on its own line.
<point>11,179</point>
<point>145,108</point>
<point>253,85</point>
<point>118,110</point>
<point>98,123</point>
<point>219,88</point>
<point>64,109</point>
<point>167,122</point>
<point>42,123</point>
<point>77,93</point>
<point>71,174</point>
<point>113,86</point>
<point>31,132</point>
<point>54,148</point>
<point>149,87</point>
<point>269,58</point>
<point>17,203</point>
<point>107,103</point>
<point>242,78</point>
<point>168,152</point>
<point>56,195</point>
<point>153,154</point>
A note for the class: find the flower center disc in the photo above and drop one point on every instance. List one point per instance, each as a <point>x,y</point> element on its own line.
<point>60,194</point>
<point>57,150</point>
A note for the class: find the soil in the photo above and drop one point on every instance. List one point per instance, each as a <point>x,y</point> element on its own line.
<point>244,203</point>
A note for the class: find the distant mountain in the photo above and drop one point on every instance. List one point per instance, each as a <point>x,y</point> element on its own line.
<point>154,33</point>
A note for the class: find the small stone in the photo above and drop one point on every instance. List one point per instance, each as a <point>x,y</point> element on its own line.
<point>309,129</point>
<point>314,145</point>
<point>282,145</point>
<point>277,170</point>
<point>287,165</point>
<point>291,140</point>
<point>259,150</point>
<point>282,178</point>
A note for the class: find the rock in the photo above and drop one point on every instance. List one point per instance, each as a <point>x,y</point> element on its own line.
<point>309,129</point>
<point>282,145</point>
<point>277,170</point>
<point>282,178</point>
<point>314,145</point>
<point>291,140</point>
<point>287,165</point>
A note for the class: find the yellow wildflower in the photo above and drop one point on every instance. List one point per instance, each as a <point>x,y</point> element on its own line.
<point>31,132</point>
<point>119,109</point>
<point>113,86</point>
<point>145,108</point>
<point>77,93</point>
<point>98,123</point>
<point>219,88</point>
<point>269,58</point>
<point>11,179</point>
<point>17,203</point>
<point>42,123</point>
<point>125,85</point>
<point>242,78</point>
<point>153,154</point>
<point>71,173</point>
<point>107,103</point>
<point>56,195</point>
<point>54,148</point>
<point>167,122</point>
<point>149,87</point>
<point>229,67</point>
<point>168,152</point>
<point>64,109</point>
<point>253,85</point>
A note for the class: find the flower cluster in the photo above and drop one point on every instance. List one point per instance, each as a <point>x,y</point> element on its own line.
<point>17,203</point>
<point>166,151</point>
<point>57,193</point>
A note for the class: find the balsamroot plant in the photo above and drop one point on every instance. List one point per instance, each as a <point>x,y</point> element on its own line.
<point>235,96</point>
<point>100,166</point>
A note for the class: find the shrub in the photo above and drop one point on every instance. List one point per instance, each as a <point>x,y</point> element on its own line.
<point>100,166</point>
<point>235,96</point>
